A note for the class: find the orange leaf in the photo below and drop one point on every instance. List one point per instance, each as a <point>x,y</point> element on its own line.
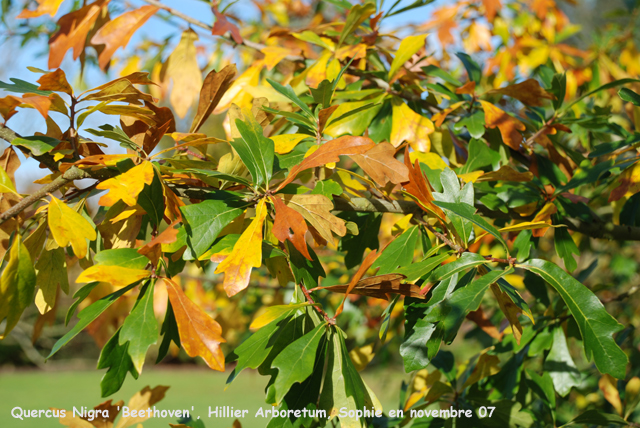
<point>153,248</point>
<point>380,163</point>
<point>55,81</point>
<point>290,224</point>
<point>528,92</point>
<point>246,254</point>
<point>45,7</point>
<point>330,152</point>
<point>8,106</point>
<point>419,187</point>
<point>38,102</point>
<point>222,25</point>
<point>490,8</point>
<point>126,186</point>
<point>628,183</point>
<point>485,324</point>
<point>200,335</point>
<point>508,126</point>
<point>380,287</point>
<point>74,28</point>
<point>544,215</point>
<point>117,32</point>
<point>467,88</point>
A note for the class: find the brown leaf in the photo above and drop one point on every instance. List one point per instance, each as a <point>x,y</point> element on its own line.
<point>120,90</point>
<point>510,310</point>
<point>485,324</point>
<point>366,264</point>
<point>419,187</point>
<point>506,173</point>
<point>55,81</point>
<point>508,126</point>
<point>528,92</point>
<point>8,106</point>
<point>215,85</point>
<point>200,335</point>
<point>153,248</point>
<point>289,224</point>
<point>117,32</point>
<point>73,31</point>
<point>324,115</point>
<point>467,88</point>
<point>330,152</point>
<point>316,209</point>
<point>38,102</point>
<point>142,400</point>
<point>222,25</point>
<point>380,163</point>
<point>109,409</point>
<point>380,286</point>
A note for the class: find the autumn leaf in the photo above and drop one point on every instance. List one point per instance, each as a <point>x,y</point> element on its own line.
<point>528,92</point>
<point>39,102</point>
<point>366,264</point>
<point>409,126</point>
<point>126,186</point>
<point>509,309</point>
<point>6,184</point>
<point>380,287</point>
<point>142,400</point>
<point>222,25</point>
<point>200,335</point>
<point>45,7</point>
<point>246,254</point>
<point>289,224</point>
<point>627,184</point>
<point>55,81</point>
<point>274,54</point>
<point>153,249</point>
<point>118,276</point>
<point>316,209</point>
<point>286,142</point>
<point>117,32</point>
<point>419,187</point>
<point>330,152</point>
<point>508,125</point>
<point>17,285</point>
<point>74,28</point>
<point>506,173</point>
<point>379,163</point>
<point>408,47</point>
<point>69,227</point>
<point>214,87</point>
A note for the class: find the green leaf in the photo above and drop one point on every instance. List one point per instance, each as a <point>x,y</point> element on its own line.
<point>204,221</point>
<point>21,87</point>
<point>88,315</point>
<point>323,93</point>
<point>565,247</point>
<point>151,199</point>
<point>38,145</point>
<point>473,69</point>
<point>79,295</point>
<point>596,325</point>
<point>123,257</point>
<point>474,124</point>
<point>420,269</point>
<point>170,333</point>
<point>116,134</point>
<point>140,328</point>
<point>451,193</point>
<point>399,252</point>
<point>480,155</point>
<point>560,365</point>
<point>469,212</point>
<point>17,285</point>
<point>628,95</point>
<point>115,357</point>
<point>408,48</point>
<point>466,261</point>
<point>256,151</point>
<point>288,92</point>
<point>599,418</point>
<point>433,70</point>
<point>327,188</point>
<point>558,89</point>
<point>218,175</point>
<point>348,121</point>
<point>357,15</point>
<point>295,363</point>
<point>51,272</point>
<point>601,88</point>
<point>415,348</point>
<point>305,271</point>
<point>467,299</point>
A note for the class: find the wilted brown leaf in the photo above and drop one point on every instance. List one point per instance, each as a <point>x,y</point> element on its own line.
<point>528,92</point>
<point>289,224</point>
<point>508,126</point>
<point>379,163</point>
<point>215,85</point>
<point>380,286</point>
<point>55,81</point>
<point>419,187</point>
<point>316,209</point>
<point>142,400</point>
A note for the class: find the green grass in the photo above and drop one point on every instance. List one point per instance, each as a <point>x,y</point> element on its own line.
<point>189,387</point>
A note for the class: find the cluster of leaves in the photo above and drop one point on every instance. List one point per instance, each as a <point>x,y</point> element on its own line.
<point>459,174</point>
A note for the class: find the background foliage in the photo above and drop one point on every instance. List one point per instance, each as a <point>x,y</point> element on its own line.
<point>321,187</point>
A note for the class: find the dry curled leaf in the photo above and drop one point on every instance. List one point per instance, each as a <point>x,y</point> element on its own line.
<point>289,224</point>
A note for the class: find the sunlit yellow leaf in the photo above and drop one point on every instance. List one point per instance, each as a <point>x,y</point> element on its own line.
<point>409,126</point>
<point>408,47</point>
<point>117,276</point>
<point>286,142</point>
<point>69,227</point>
<point>246,254</point>
<point>183,70</point>
<point>126,186</point>
<point>272,313</point>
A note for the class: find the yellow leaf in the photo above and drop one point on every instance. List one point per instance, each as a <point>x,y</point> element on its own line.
<point>17,285</point>
<point>409,126</point>
<point>238,92</point>
<point>126,186</point>
<point>432,160</point>
<point>273,55</point>
<point>403,224</point>
<point>316,209</point>
<point>509,309</point>
<point>471,177</point>
<point>487,365</point>
<point>246,254</point>
<point>318,71</point>
<point>69,227</point>
<point>286,142</point>
<point>45,7</point>
<point>272,313</point>
<point>608,386</point>
<point>515,280</point>
<point>6,185</point>
<point>183,69</point>
<point>506,173</point>
<point>362,356</point>
<point>408,48</point>
<point>117,276</point>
